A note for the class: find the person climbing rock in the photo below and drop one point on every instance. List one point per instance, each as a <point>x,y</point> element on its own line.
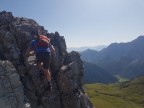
<point>42,48</point>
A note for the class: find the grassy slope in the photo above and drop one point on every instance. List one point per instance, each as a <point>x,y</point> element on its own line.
<point>124,95</point>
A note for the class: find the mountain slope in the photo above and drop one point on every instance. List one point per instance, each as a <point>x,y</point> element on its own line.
<point>129,94</point>
<point>119,58</point>
<point>95,74</point>
<point>89,55</point>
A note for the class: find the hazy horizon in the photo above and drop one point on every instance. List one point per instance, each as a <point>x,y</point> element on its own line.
<point>84,22</point>
<point>105,44</point>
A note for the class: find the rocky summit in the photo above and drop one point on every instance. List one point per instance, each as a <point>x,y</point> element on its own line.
<point>21,84</point>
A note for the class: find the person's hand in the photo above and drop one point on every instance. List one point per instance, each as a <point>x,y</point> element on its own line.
<point>31,53</point>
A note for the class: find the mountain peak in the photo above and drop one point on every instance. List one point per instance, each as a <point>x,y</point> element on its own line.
<point>118,58</point>
<point>139,39</point>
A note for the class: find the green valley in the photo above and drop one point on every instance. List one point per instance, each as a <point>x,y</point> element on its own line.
<point>121,79</point>
<point>129,94</point>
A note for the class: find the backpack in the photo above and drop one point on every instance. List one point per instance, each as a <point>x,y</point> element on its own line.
<point>43,41</point>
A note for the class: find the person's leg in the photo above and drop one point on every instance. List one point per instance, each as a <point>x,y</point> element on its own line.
<point>39,61</point>
<point>46,65</point>
<point>39,65</point>
<point>47,74</point>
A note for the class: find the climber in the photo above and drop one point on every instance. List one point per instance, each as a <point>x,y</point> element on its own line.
<point>42,48</point>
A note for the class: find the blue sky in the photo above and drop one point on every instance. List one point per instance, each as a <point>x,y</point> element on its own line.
<point>84,22</point>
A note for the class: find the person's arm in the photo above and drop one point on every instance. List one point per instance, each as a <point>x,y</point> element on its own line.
<point>30,49</point>
<point>52,48</point>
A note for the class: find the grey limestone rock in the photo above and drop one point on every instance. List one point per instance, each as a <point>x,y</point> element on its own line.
<point>11,89</point>
<point>21,83</point>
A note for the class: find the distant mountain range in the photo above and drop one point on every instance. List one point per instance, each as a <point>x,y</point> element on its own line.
<point>95,74</point>
<point>80,49</point>
<point>125,59</point>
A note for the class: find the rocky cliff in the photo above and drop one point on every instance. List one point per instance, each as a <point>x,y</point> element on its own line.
<point>21,84</point>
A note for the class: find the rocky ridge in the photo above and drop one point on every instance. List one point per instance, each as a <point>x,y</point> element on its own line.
<point>20,80</point>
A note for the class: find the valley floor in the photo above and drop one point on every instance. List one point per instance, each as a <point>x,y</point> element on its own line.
<point>123,95</point>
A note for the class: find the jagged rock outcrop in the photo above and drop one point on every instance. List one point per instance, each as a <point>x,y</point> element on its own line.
<point>11,89</point>
<point>21,81</point>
